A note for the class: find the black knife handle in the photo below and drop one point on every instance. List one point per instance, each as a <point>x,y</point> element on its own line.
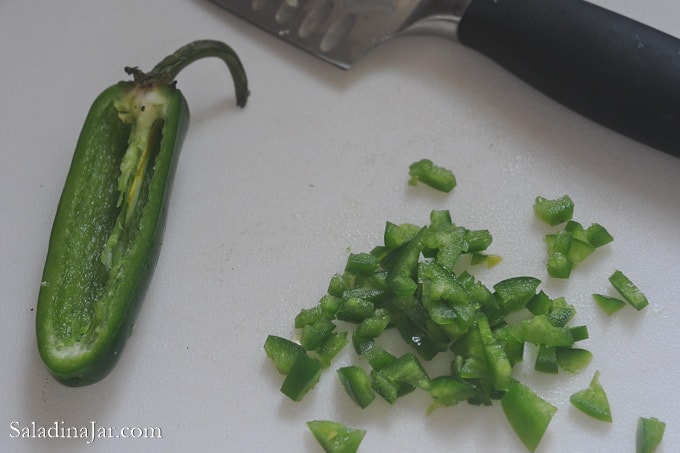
<point>611,69</point>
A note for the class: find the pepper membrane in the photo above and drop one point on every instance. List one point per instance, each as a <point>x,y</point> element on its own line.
<point>111,215</point>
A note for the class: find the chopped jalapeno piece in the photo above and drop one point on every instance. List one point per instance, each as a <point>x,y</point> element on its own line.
<point>628,290</point>
<point>335,437</point>
<point>546,360</point>
<point>449,391</point>
<point>282,352</point>
<point>554,212</point>
<point>302,377</point>
<point>308,316</point>
<point>338,285</point>
<point>579,250</point>
<point>357,384</point>
<point>362,263</point>
<point>407,369</point>
<point>573,360</point>
<point>375,325</point>
<point>379,358</point>
<point>539,304</point>
<point>593,401</point>
<point>598,236</point>
<point>528,414</point>
<point>514,293</point>
<point>608,304</point>
<point>477,240</point>
<point>438,178</point>
<point>579,333</point>
<point>355,309</point>
<point>490,260</point>
<point>331,346</point>
<point>313,335</point>
<point>539,330</point>
<point>649,434</point>
<point>560,312</point>
<point>397,235</point>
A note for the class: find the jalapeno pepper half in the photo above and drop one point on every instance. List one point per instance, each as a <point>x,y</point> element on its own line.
<point>111,215</point>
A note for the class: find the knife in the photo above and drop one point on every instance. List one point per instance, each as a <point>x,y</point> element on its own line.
<point>609,68</point>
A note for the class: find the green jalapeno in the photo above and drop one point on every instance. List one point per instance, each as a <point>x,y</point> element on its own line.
<point>108,226</point>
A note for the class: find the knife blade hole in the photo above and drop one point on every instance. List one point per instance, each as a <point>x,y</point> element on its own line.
<point>286,11</point>
<point>315,18</point>
<point>338,31</point>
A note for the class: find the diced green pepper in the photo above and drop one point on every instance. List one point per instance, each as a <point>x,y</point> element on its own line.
<point>560,312</point>
<point>313,335</point>
<point>445,243</point>
<point>402,263</point>
<point>579,333</point>
<point>554,211</point>
<point>338,285</point>
<point>539,304</point>
<point>559,242</point>
<point>357,384</point>
<point>608,304</point>
<point>282,352</point>
<point>355,309</point>
<point>302,377</point>
<point>628,290</point>
<point>397,235</point>
<point>335,342</point>
<point>421,338</point>
<point>309,316</point>
<point>576,230</point>
<point>362,345</point>
<point>386,388</point>
<point>449,391</point>
<point>649,434</point>
<point>528,414</point>
<point>497,364</point>
<point>598,236</point>
<point>378,358</point>
<point>362,263</point>
<point>559,265</point>
<point>593,401</point>
<point>437,177</point>
<point>477,240</point>
<point>329,305</point>
<point>436,309</point>
<point>407,369</point>
<point>573,360</point>
<point>539,330</point>
<point>335,437</point>
<point>514,293</point>
<point>546,360</point>
<point>579,250</point>
<point>490,260</point>
<point>107,230</point>
<point>369,329</point>
<point>370,293</point>
<point>514,348</point>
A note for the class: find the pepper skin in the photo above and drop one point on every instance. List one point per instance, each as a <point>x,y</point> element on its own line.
<point>110,219</point>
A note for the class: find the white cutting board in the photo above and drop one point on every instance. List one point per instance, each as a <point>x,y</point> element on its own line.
<point>268,201</point>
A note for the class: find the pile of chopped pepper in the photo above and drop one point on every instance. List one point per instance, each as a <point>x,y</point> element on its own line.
<point>413,283</point>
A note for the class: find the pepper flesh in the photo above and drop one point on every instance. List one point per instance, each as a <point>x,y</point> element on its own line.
<point>593,401</point>
<point>108,225</point>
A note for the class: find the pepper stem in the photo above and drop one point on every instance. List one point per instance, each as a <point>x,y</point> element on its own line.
<point>166,71</point>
